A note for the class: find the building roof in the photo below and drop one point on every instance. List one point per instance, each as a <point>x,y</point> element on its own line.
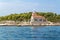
<point>37,16</point>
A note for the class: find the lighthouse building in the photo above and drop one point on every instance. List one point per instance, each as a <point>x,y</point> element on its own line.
<point>37,19</point>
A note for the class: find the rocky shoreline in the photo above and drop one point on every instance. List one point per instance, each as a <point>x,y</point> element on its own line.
<point>55,24</point>
<point>13,23</point>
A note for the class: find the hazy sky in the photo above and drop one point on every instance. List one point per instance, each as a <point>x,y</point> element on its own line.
<point>19,6</point>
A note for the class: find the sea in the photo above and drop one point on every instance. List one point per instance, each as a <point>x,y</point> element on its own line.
<point>29,32</point>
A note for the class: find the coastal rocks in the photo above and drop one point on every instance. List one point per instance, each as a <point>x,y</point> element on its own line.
<point>8,23</point>
<point>13,23</point>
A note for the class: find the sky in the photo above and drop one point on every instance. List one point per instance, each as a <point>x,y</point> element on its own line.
<point>20,6</point>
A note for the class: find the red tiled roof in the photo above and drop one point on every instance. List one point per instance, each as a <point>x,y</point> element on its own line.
<point>37,16</point>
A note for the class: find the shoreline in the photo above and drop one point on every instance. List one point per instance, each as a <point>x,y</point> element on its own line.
<point>13,23</point>
<point>29,25</point>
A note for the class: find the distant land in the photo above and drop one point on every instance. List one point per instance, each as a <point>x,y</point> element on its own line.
<point>50,16</point>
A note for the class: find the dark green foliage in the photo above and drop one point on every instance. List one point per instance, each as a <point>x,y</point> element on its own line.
<point>17,17</point>
<point>50,16</point>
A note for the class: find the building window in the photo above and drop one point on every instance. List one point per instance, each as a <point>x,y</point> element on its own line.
<point>40,19</point>
<point>35,19</point>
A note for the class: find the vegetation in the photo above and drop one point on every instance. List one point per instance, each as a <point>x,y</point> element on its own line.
<point>50,16</point>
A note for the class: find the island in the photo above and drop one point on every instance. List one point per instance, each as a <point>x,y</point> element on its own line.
<point>31,19</point>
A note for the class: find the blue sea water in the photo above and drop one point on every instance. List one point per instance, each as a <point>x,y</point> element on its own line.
<point>29,33</point>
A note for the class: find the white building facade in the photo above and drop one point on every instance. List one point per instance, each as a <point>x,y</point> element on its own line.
<point>37,19</point>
